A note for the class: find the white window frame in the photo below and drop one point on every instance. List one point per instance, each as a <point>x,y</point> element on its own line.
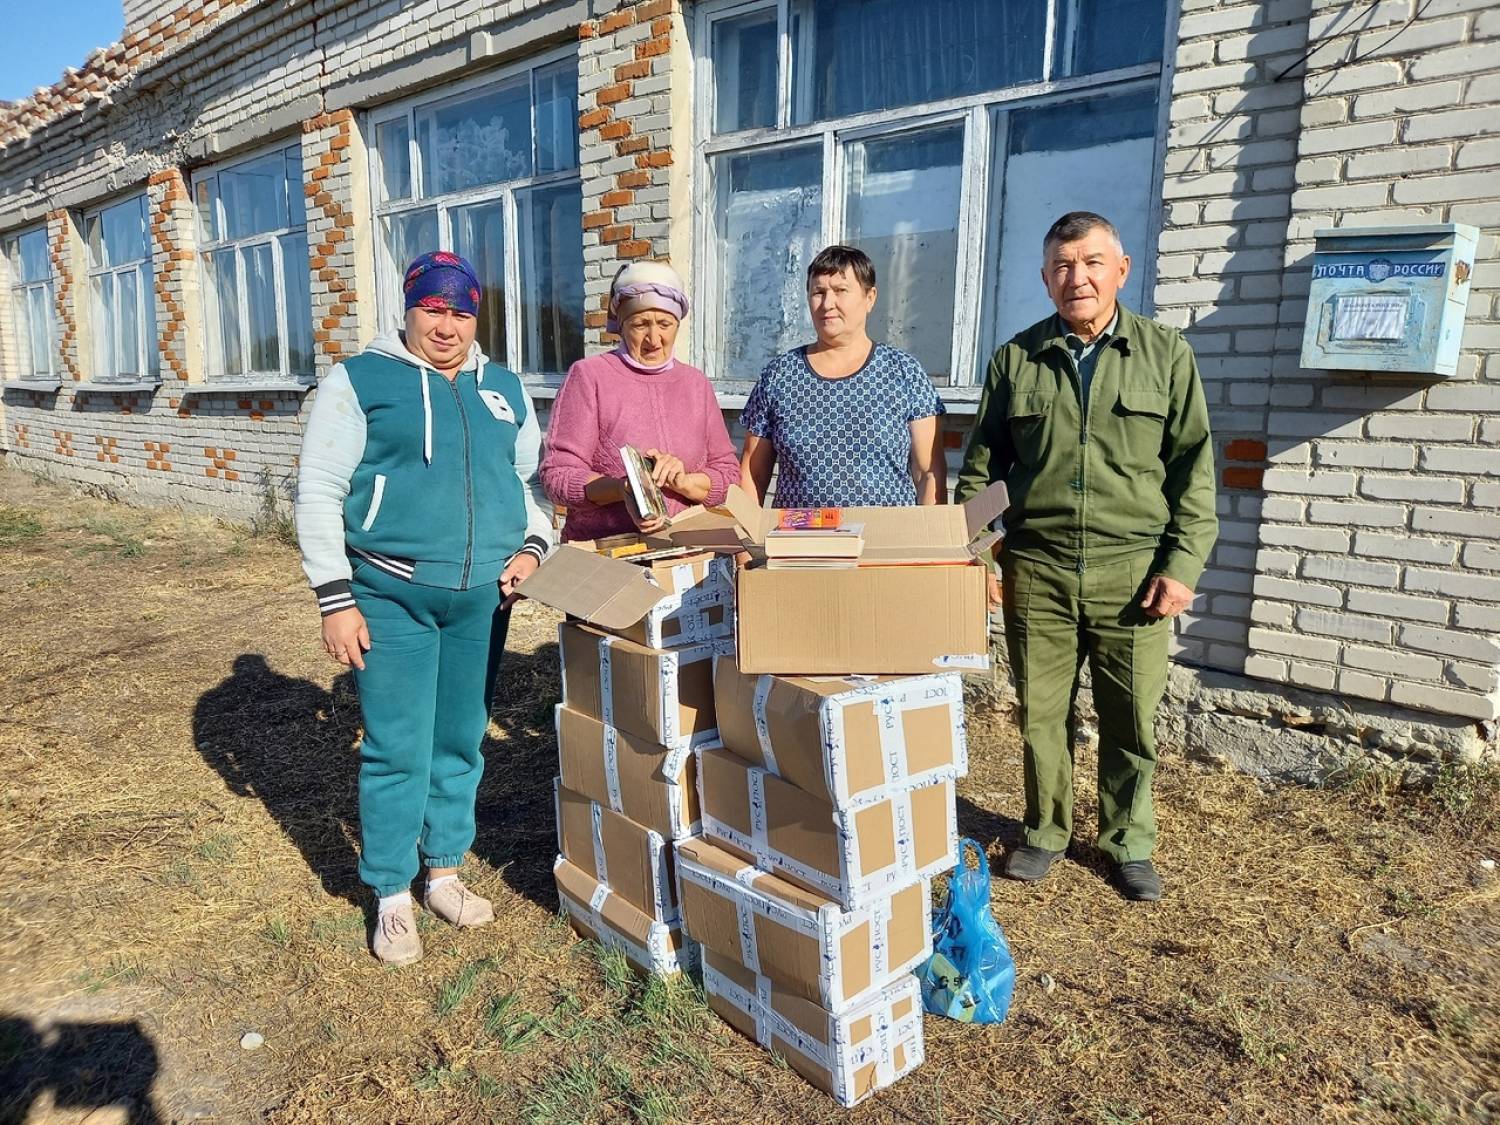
<point>19,311</point>
<point>388,273</point>
<point>213,342</point>
<point>978,239</point>
<point>105,324</point>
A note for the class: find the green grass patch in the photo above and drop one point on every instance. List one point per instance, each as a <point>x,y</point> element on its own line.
<point>277,930</point>
<point>457,988</point>
<point>217,847</point>
<point>119,540</point>
<point>506,1022</point>
<point>18,526</point>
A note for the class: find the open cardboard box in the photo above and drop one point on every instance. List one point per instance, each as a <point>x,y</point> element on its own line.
<point>630,859</point>
<point>915,603</point>
<point>849,1055</point>
<point>854,855</point>
<point>845,739</point>
<point>659,603</point>
<point>805,942</point>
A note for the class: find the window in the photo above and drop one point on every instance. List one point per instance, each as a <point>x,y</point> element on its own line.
<point>491,172</point>
<point>32,305</point>
<point>124,326</point>
<point>253,229</point>
<point>942,138</point>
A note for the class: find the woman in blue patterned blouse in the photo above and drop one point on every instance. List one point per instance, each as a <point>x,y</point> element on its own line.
<point>851,423</point>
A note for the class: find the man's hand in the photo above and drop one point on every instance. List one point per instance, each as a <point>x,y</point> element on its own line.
<point>992,588</point>
<point>1166,597</point>
<point>345,637</point>
<point>520,568</point>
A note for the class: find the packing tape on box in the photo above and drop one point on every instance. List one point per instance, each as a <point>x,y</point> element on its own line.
<point>892,700</point>
<point>658,955</point>
<point>606,683</point>
<point>762,725</point>
<point>612,768</point>
<point>601,862</point>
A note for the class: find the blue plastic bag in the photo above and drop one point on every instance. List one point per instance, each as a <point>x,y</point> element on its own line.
<point>970,976</point>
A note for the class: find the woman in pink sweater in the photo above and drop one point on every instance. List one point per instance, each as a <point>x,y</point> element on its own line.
<point>636,395</point>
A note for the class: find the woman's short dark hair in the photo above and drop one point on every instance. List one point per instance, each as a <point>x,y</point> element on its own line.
<point>833,260</point>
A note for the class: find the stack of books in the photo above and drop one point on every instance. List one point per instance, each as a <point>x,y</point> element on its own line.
<point>813,539</point>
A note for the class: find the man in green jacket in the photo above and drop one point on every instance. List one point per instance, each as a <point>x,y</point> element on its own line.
<point>1095,419</point>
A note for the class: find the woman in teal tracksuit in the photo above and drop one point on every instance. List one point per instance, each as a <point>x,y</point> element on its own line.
<point>419,511</point>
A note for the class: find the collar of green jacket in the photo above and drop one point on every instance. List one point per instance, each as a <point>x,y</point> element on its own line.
<point>1051,333</point>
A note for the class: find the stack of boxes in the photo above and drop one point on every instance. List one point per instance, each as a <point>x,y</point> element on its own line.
<point>637,700</point>
<point>825,813</point>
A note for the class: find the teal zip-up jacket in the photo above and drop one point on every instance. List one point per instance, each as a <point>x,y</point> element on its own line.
<point>432,480</point>
<point>1132,473</point>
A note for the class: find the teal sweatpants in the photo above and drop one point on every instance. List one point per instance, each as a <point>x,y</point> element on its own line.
<point>424,693</point>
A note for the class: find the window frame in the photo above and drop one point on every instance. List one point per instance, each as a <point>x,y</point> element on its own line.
<point>506,192</point>
<point>207,245</point>
<point>144,268</point>
<point>978,243</point>
<point>19,292</point>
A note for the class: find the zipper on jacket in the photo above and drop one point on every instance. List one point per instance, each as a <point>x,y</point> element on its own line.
<point>1083,448</point>
<point>463,422</point>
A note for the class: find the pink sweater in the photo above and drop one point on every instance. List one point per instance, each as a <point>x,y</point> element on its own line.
<point>604,404</point>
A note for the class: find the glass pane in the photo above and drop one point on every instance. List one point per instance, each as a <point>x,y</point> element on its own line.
<point>32,250</point>
<point>481,139</point>
<point>127,325</point>
<point>393,143</point>
<point>557,116</point>
<point>206,195</point>
<point>744,68</point>
<point>769,219</point>
<point>295,288</point>
<point>122,232</point>
<point>227,300</point>
<point>479,235</point>
<point>1055,154</point>
<point>22,311</point>
<point>39,310</point>
<point>902,210</point>
<point>404,237</point>
<point>1108,34</point>
<point>102,289</point>
<point>296,193</point>
<point>93,234</point>
<point>552,278</point>
<point>254,196</point>
<point>260,306</point>
<point>856,56</point>
<point>148,291</point>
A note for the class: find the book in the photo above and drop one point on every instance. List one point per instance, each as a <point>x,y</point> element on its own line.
<point>811,564</point>
<point>808,519</point>
<point>844,542</point>
<point>644,492</point>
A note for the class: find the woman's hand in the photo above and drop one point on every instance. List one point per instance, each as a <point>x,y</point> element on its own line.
<point>642,524</point>
<point>345,637</point>
<point>670,473</point>
<point>520,568</point>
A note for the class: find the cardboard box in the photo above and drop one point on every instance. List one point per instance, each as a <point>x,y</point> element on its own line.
<point>846,740</point>
<point>653,785</point>
<point>666,696</point>
<point>632,860</point>
<point>849,1055</point>
<point>803,941</point>
<point>660,603</point>
<point>598,914</point>
<point>854,855</point>
<point>915,603</point>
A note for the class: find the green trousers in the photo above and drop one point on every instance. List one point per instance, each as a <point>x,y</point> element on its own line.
<point>1055,617</point>
<point>424,694</point>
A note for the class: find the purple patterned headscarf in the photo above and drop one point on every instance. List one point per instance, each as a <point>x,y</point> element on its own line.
<point>441,280</point>
<point>645,285</point>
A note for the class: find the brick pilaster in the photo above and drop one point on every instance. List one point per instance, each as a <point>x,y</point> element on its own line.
<point>66,251</point>
<point>179,310</point>
<point>333,160</point>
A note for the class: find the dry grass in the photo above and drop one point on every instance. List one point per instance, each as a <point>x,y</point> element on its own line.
<point>176,841</point>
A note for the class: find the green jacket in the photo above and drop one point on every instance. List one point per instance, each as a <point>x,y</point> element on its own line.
<point>1135,475</point>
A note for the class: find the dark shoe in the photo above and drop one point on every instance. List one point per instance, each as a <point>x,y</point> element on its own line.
<point>1029,864</point>
<point>1138,880</point>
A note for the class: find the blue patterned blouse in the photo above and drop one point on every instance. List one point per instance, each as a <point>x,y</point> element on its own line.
<point>842,443</point>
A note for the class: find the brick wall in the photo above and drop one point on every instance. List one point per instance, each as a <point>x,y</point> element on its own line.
<point>338,220</point>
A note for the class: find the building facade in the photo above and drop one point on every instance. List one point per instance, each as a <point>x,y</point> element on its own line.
<point>203,218</point>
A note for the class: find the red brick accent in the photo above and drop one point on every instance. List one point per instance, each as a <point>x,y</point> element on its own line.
<point>156,456</point>
<point>952,439</point>
<point>632,145</point>
<point>652,9</point>
<point>593,118</point>
<point>170,341</point>
<point>1245,449</point>
<point>617,198</point>
<point>1240,477</point>
<point>595,319</point>
<point>615,130</point>
<point>633,179</point>
<point>23,437</point>
<point>108,449</point>
<point>654,160</point>
<point>617,233</point>
<point>660,28</point>
<point>588,29</point>
<point>64,440</point>
<point>639,69</point>
<point>598,219</point>
<point>616,20</point>
<point>63,301</point>
<point>638,248</point>
<point>653,47</point>
<point>611,94</point>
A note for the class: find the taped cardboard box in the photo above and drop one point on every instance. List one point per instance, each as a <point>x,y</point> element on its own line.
<point>848,1056</point>
<point>915,603</point>
<point>651,784</point>
<point>806,943</point>
<point>598,914</point>
<point>846,740</point>
<point>659,603</point>
<point>666,696</point>
<point>632,860</point>
<point>854,855</point>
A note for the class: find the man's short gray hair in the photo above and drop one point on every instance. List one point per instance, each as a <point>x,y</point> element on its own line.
<point>1075,225</point>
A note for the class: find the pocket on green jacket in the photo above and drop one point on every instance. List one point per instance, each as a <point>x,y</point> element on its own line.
<point>376,496</point>
<point>1028,417</point>
<point>1142,419</point>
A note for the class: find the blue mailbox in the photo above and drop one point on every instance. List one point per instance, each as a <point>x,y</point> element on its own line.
<point>1389,298</point>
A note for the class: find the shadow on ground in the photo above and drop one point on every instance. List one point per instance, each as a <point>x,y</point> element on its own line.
<point>83,1066</point>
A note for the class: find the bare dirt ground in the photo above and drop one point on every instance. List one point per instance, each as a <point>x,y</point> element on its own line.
<point>177,832</point>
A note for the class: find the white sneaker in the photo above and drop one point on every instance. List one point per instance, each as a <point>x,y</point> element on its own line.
<point>396,940</point>
<point>455,904</point>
